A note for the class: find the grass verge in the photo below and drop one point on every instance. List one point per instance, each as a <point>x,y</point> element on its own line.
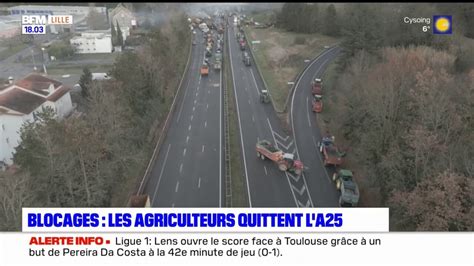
<point>4,54</point>
<point>239,191</point>
<point>280,59</point>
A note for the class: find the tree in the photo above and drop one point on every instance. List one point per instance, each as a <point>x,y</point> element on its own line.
<point>331,23</point>
<point>61,50</point>
<point>441,203</point>
<point>119,35</point>
<point>360,32</point>
<point>15,193</point>
<point>85,82</point>
<point>96,21</point>
<point>114,34</point>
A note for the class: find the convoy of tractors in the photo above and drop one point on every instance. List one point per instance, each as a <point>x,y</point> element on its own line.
<point>331,154</point>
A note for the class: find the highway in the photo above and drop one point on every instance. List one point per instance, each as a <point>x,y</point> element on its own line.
<point>266,185</point>
<point>307,133</point>
<point>188,171</point>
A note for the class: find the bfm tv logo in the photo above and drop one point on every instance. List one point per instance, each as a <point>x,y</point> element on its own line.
<point>51,20</point>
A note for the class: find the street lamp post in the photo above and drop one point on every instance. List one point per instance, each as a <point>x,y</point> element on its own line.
<point>44,65</point>
<point>34,63</point>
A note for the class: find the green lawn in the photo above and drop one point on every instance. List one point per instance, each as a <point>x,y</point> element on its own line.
<point>63,70</point>
<point>280,59</point>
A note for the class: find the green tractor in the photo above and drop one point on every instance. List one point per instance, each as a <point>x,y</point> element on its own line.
<point>264,96</point>
<point>348,187</point>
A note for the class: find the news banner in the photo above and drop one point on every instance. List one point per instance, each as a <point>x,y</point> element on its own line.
<point>223,236</point>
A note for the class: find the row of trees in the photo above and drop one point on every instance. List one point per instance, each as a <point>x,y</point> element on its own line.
<point>408,118</point>
<point>94,159</point>
<point>404,105</point>
<point>309,18</point>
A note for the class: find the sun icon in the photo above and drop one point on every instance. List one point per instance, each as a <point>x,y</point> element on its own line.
<point>442,24</point>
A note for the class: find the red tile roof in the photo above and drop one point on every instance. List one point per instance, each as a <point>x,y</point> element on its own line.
<point>25,102</point>
<point>21,101</point>
<point>58,94</point>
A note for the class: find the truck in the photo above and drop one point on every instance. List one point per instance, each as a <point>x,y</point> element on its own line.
<point>285,161</point>
<point>331,153</point>
<point>246,58</point>
<point>348,187</point>
<point>217,64</point>
<point>204,70</point>
<point>242,44</point>
<point>317,88</point>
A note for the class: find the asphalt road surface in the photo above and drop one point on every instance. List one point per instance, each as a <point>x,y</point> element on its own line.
<point>267,186</point>
<point>307,133</point>
<point>189,169</point>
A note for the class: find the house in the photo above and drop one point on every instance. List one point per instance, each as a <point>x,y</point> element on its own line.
<point>20,101</point>
<point>125,18</point>
<point>93,42</point>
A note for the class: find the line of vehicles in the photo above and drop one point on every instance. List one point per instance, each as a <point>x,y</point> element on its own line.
<point>214,40</point>
<point>333,156</point>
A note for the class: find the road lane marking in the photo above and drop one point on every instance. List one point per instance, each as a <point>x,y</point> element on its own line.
<point>194,108</point>
<point>199,183</point>
<point>291,114</point>
<point>205,124</point>
<point>184,100</point>
<point>286,174</point>
<point>282,138</point>
<point>253,119</point>
<point>202,150</point>
<point>192,116</point>
<point>207,106</point>
<point>195,102</point>
<point>177,186</point>
<point>265,170</point>
<point>249,101</point>
<point>161,174</point>
<point>307,111</point>
<point>187,139</point>
<point>184,152</point>
<point>172,205</point>
<point>240,124</point>
<point>181,168</point>
<point>255,81</point>
<point>189,128</point>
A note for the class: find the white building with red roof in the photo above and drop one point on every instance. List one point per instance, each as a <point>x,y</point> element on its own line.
<point>20,101</point>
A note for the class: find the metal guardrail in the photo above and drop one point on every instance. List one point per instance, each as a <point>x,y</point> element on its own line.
<point>165,129</point>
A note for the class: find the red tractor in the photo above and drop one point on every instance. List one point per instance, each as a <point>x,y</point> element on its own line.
<point>317,87</point>
<point>331,153</point>
<point>317,104</point>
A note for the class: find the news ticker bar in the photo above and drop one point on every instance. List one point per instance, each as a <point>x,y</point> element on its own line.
<point>205,220</point>
<point>423,248</point>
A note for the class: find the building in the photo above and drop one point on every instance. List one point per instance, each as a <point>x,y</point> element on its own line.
<point>10,26</point>
<point>93,42</point>
<point>54,10</point>
<point>20,101</point>
<point>124,17</point>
